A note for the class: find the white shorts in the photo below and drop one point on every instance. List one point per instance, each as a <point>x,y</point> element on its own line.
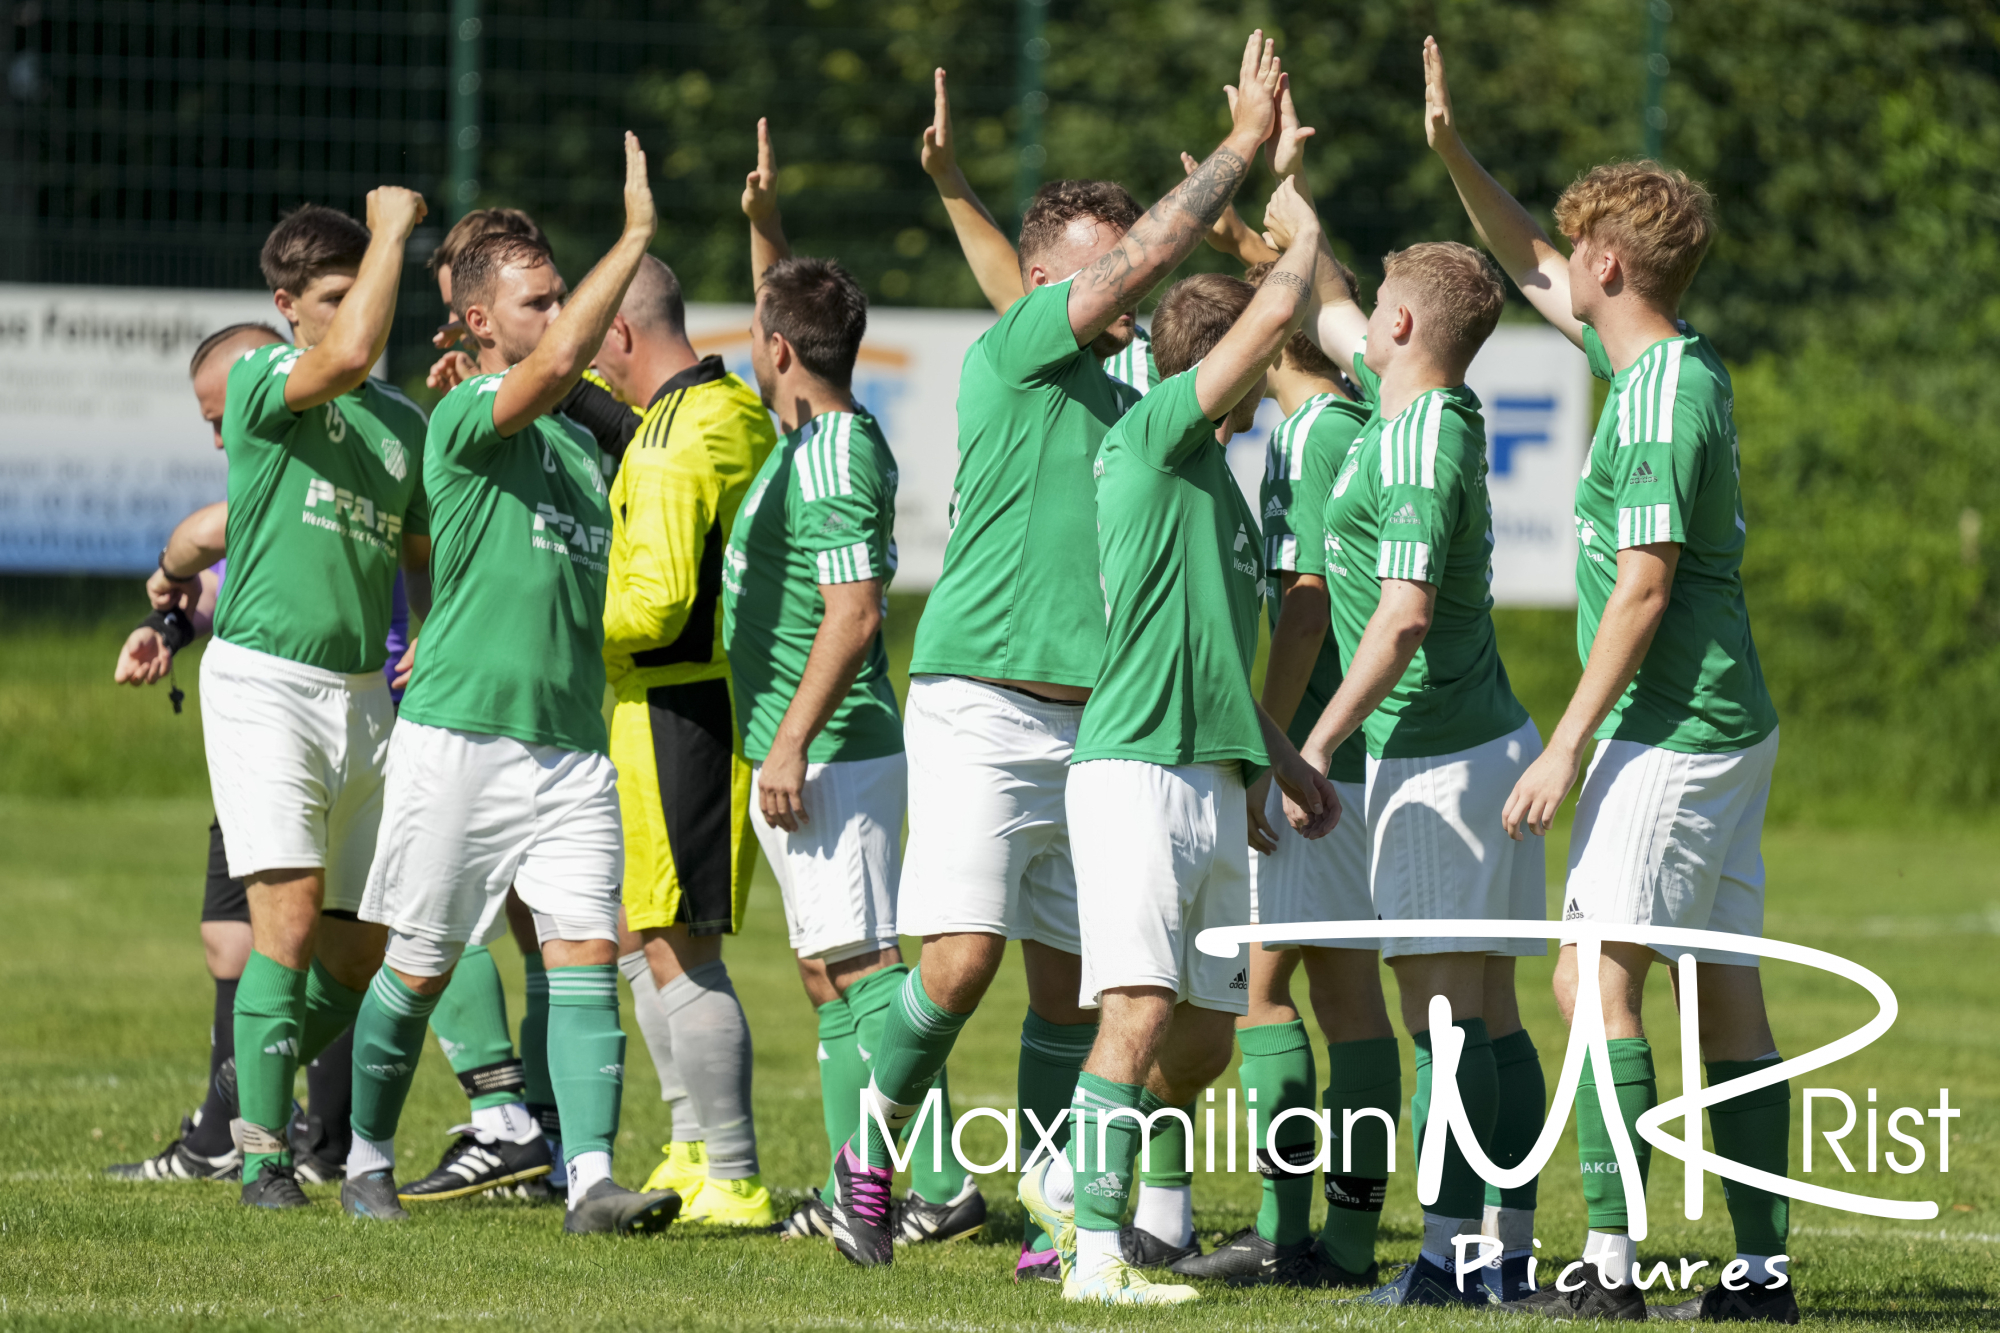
<point>989,849</point>
<point>1439,850</point>
<point>1670,839</point>
<point>1162,854</point>
<point>469,814</point>
<point>295,758</point>
<point>838,873</point>
<point>1323,879</point>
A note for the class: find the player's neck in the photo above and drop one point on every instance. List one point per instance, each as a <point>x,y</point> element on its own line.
<point>1293,388</point>
<point>800,398</point>
<point>1627,326</point>
<point>1410,376</point>
<point>491,360</point>
<point>661,363</point>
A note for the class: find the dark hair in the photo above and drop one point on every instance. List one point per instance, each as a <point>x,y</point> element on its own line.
<point>1060,203</point>
<point>481,222</point>
<point>821,311</point>
<point>654,300</point>
<point>1193,316</point>
<point>1301,352</point>
<point>477,269</point>
<point>215,340</point>
<point>310,242</point>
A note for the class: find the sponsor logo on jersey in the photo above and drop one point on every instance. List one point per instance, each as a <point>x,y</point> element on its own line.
<point>1333,555</point>
<point>351,515</point>
<point>578,538</point>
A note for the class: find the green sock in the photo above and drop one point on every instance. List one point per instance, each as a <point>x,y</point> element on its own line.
<point>1461,1193</point>
<point>471,1026</point>
<point>1278,1065</point>
<point>270,1002</point>
<point>1052,1054</point>
<point>1638,1092</point>
<point>928,1181</point>
<point>1104,1183</point>
<point>1754,1129</point>
<point>388,1042</point>
<point>535,1047</point>
<point>842,1076</point>
<point>1359,1074</point>
<point>871,1000</point>
<point>330,1009</point>
<point>586,1055</point>
<point>1163,1165</point>
<point>910,1038</point>
<point>1518,1116</point>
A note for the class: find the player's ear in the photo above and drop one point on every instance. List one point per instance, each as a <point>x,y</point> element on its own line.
<point>1404,325</point>
<point>288,305</point>
<point>781,353</point>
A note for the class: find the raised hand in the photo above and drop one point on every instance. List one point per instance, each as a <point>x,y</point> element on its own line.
<point>760,187</point>
<point>395,210</point>
<point>1439,128</point>
<point>639,215</point>
<point>940,154</point>
<point>1288,218</point>
<point>1253,98</point>
<point>1287,150</point>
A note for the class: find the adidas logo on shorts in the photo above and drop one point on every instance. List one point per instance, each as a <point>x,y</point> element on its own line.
<point>1571,912</point>
<point>1241,981</point>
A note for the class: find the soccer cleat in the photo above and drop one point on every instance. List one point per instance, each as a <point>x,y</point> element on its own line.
<point>861,1210</point>
<point>1142,1249</point>
<point>1038,1266</point>
<point>1592,1299</point>
<point>1245,1254</point>
<point>1308,1269</point>
<point>682,1170</point>
<point>811,1220</point>
<point>1753,1305</point>
<point>538,1190</point>
<point>609,1209</point>
<point>177,1162</point>
<point>479,1161</point>
<point>1058,1223</point>
<point>1118,1283</point>
<point>372,1194</point>
<point>730,1203</point>
<point>1507,1280</point>
<point>1423,1283</point>
<point>275,1187</point>
<point>319,1150</point>
<point>918,1221</point>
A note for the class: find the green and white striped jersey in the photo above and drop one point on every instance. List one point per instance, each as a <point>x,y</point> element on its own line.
<point>821,511</point>
<point>1664,467</point>
<point>1134,366</point>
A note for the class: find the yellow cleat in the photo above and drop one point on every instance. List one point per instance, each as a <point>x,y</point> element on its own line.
<point>732,1203</point>
<point>1121,1284</point>
<point>683,1170</point>
<point>1060,1223</point>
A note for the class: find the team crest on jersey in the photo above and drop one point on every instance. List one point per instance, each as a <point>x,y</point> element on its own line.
<point>394,458</point>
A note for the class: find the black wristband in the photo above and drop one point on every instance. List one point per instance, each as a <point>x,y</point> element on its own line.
<point>174,627</point>
<point>172,577</point>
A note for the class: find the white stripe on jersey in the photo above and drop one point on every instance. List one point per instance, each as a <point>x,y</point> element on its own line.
<point>1284,552</point>
<point>1405,560</point>
<point>1644,525</point>
<point>824,457</point>
<point>1646,406</point>
<point>1409,448</point>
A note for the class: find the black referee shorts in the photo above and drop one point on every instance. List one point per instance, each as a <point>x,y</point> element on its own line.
<point>223,898</point>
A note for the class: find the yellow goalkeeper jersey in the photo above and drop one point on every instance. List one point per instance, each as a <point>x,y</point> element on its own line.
<point>702,441</point>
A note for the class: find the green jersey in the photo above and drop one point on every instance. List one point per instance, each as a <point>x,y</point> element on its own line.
<point>822,510</point>
<point>1664,468</point>
<point>1134,367</point>
<point>1299,464</point>
<point>1018,598</point>
<point>1178,546</point>
<point>514,645</point>
<point>319,503</point>
<point>1409,502</point>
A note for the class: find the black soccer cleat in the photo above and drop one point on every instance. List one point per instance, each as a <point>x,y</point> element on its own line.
<point>609,1209</point>
<point>1754,1304</point>
<point>861,1211</point>
<point>1244,1254</point>
<point>811,1220</point>
<point>538,1191</point>
<point>1307,1268</point>
<point>1142,1249</point>
<point>319,1150</point>
<point>915,1220</point>
<point>478,1161</point>
<point>372,1194</point>
<point>1593,1299</point>
<point>177,1161</point>
<point>275,1187</point>
<point>1424,1283</point>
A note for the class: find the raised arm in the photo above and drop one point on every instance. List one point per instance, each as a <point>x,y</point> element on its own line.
<point>1282,303</point>
<point>539,382</point>
<point>1520,245</point>
<point>1231,235</point>
<point>1338,324</point>
<point>339,362</point>
<point>994,263</point>
<point>1171,229</point>
<point>760,204</point>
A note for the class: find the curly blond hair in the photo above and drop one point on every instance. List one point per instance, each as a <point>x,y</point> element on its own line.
<point>1655,219</point>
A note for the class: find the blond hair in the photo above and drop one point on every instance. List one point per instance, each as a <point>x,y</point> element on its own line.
<point>1453,285</point>
<point>1655,219</point>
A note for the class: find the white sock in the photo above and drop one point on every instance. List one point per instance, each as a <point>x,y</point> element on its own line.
<point>585,1170</point>
<point>1760,1265</point>
<point>1060,1182</point>
<point>1167,1211</point>
<point>1095,1252</point>
<point>510,1121</point>
<point>1514,1228</point>
<point>368,1155</point>
<point>559,1172</point>
<point>1612,1252</point>
<point>1438,1231</point>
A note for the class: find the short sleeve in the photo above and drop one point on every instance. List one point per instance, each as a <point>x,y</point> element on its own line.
<point>1365,379</point>
<point>1034,336</point>
<point>1593,352</point>
<point>1658,459</point>
<point>842,502</point>
<point>462,429</point>
<point>256,395</point>
<point>1422,492</point>
<point>417,514</point>
<point>1165,425</point>
<point>1300,475</point>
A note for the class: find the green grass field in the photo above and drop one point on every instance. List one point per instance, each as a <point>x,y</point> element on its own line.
<point>103,1048</point>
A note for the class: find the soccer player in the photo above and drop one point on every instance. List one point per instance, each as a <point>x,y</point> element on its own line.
<point>684,786</point>
<point>1013,634</point>
<point>805,582</point>
<point>498,771</point>
<point>1408,547</point>
<point>1157,801</point>
<point>1671,815</point>
<point>324,496</point>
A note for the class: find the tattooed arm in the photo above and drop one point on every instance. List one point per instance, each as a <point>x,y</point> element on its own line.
<point>1283,302</point>
<point>1172,228</point>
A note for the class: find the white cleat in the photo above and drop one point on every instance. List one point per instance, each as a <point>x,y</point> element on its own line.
<point>1118,1283</point>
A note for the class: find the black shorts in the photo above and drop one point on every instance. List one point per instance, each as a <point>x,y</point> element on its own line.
<point>223,898</point>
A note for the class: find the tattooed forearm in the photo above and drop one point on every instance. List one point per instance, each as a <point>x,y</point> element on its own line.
<point>1288,280</point>
<point>1167,234</point>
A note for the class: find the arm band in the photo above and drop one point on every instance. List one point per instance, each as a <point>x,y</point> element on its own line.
<point>610,421</point>
<point>174,628</point>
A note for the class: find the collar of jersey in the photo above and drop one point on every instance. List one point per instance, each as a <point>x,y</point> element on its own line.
<point>705,371</point>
